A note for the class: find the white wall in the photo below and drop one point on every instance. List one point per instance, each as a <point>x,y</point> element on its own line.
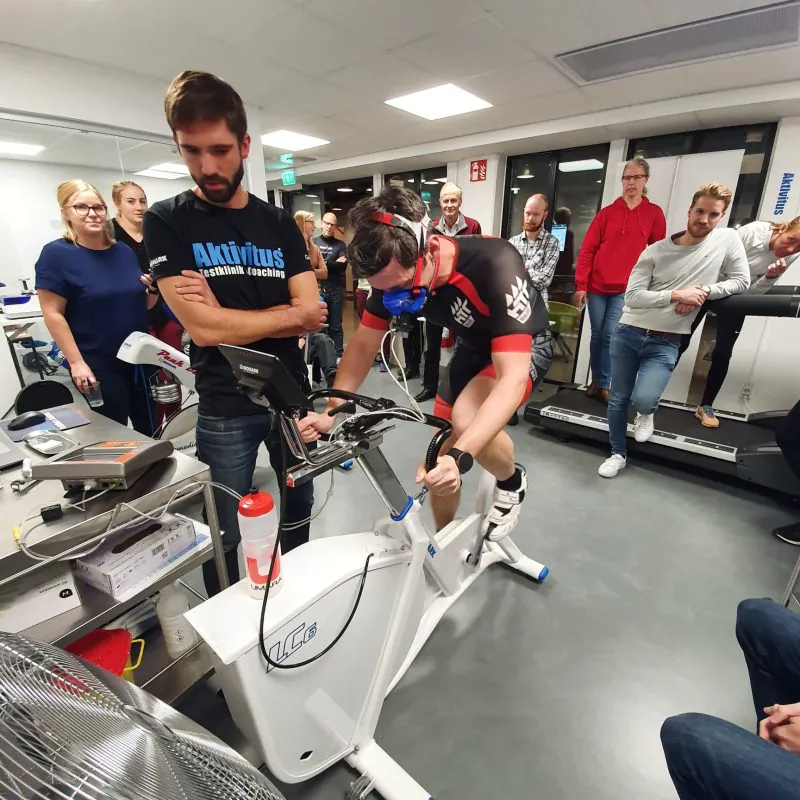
<point>29,214</point>
<point>483,200</point>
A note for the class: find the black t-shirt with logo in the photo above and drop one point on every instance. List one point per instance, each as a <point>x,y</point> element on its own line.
<point>332,250</point>
<point>488,299</point>
<point>247,256</point>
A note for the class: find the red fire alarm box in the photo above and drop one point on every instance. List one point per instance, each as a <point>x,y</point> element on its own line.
<point>477,170</point>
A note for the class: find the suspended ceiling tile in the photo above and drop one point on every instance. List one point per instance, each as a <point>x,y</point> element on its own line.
<point>474,48</point>
<point>391,24</point>
<point>529,80</point>
<point>317,45</point>
<point>382,77</point>
<point>375,116</point>
<point>313,97</point>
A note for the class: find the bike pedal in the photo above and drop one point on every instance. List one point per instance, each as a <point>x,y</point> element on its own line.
<point>360,788</point>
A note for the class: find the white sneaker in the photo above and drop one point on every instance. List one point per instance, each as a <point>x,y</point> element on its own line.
<point>504,513</point>
<point>643,427</point>
<point>611,466</point>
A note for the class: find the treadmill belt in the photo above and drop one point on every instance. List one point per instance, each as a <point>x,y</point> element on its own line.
<point>732,433</point>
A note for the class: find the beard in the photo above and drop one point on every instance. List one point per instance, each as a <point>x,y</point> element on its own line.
<point>699,232</point>
<point>530,227</point>
<point>229,187</point>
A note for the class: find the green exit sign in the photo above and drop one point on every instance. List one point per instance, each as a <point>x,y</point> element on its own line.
<point>288,177</point>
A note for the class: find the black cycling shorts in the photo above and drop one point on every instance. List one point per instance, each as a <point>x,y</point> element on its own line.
<point>468,361</point>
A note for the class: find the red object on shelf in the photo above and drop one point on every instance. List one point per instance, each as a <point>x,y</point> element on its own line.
<point>107,649</point>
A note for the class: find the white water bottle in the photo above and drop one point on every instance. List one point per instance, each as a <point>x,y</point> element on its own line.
<point>258,526</point>
<point>179,635</point>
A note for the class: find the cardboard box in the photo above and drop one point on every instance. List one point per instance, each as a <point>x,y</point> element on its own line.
<point>129,557</point>
<point>44,594</point>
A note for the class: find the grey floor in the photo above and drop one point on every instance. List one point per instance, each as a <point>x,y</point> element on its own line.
<point>558,690</point>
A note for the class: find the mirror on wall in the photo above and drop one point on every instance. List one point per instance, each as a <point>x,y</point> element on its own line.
<point>36,156</point>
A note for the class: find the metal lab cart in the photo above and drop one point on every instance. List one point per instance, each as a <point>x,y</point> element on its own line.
<point>167,679</point>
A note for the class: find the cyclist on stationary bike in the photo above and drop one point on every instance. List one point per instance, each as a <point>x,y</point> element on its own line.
<point>479,289</point>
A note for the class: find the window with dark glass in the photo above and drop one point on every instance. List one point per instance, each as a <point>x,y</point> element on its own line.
<point>426,183</point>
<point>572,182</point>
<point>755,140</point>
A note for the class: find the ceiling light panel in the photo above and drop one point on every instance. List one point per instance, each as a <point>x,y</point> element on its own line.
<point>20,149</point>
<point>439,102</point>
<point>155,173</point>
<point>580,166</point>
<point>289,140</point>
<point>180,169</point>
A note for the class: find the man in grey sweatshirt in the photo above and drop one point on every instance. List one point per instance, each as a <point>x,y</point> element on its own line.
<point>668,285</point>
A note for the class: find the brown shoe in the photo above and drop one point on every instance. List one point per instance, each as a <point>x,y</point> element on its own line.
<point>592,389</point>
<point>707,417</point>
<point>602,396</point>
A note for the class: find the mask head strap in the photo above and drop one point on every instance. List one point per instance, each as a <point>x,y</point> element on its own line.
<point>419,230</point>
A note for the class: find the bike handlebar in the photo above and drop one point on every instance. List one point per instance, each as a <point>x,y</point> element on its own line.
<point>378,404</point>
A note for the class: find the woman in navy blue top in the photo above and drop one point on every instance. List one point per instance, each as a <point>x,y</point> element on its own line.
<point>92,297</point>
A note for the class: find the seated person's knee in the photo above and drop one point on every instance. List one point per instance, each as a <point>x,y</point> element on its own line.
<point>750,615</point>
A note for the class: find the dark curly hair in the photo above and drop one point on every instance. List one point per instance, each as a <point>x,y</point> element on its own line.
<point>374,244</point>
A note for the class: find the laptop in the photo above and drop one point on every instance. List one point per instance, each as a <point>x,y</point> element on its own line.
<point>10,454</point>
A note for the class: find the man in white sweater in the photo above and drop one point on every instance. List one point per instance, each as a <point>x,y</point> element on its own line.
<point>668,285</point>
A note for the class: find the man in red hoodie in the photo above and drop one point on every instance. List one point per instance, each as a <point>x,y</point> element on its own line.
<point>612,246</point>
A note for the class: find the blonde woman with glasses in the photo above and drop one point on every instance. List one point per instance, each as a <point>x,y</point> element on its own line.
<point>92,296</point>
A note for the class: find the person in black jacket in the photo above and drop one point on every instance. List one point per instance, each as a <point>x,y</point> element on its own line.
<point>334,251</point>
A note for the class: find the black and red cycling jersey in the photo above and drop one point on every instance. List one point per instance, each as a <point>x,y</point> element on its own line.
<point>488,300</point>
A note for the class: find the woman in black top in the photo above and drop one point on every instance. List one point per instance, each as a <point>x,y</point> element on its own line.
<point>130,202</point>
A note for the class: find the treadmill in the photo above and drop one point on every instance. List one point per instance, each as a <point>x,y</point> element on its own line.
<point>742,447</point>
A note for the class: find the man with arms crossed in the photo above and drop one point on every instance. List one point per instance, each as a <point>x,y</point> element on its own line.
<point>479,289</point>
<point>253,258</point>
<point>669,283</point>
<point>334,251</point>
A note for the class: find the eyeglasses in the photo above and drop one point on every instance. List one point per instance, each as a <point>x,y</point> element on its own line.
<point>633,177</point>
<point>82,210</point>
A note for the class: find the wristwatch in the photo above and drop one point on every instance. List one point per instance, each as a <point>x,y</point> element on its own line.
<point>706,288</point>
<point>464,461</point>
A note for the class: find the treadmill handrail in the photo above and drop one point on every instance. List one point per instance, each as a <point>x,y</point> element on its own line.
<point>758,305</point>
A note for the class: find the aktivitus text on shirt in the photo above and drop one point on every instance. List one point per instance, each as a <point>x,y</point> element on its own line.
<point>230,258</point>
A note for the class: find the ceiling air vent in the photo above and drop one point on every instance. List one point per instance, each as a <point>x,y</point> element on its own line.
<point>733,34</point>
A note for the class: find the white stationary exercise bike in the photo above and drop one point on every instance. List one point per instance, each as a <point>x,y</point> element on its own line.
<point>354,610</point>
<point>143,348</point>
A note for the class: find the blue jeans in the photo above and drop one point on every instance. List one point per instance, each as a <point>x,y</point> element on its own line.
<point>334,297</point>
<point>712,759</point>
<point>229,446</point>
<point>641,366</point>
<point>604,313</point>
